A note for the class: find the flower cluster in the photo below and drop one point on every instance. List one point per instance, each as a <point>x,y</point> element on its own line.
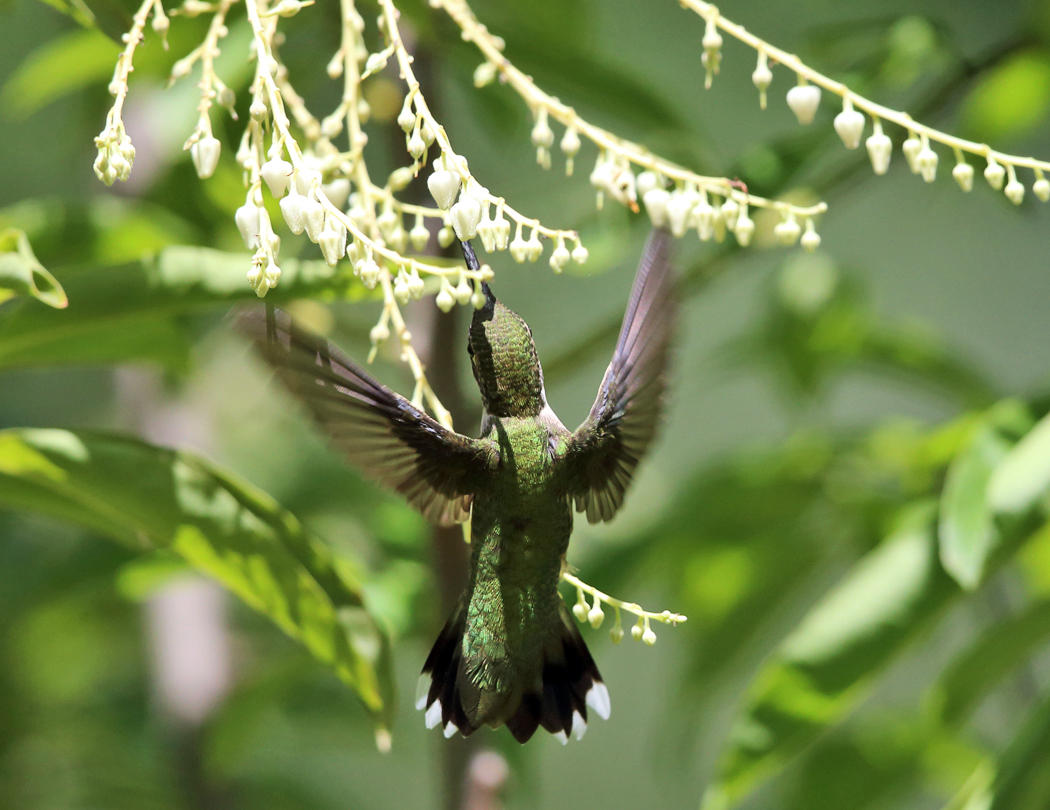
<point>593,614</point>
<point>1000,169</point>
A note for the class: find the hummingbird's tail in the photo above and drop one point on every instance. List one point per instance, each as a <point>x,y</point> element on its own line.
<point>566,683</point>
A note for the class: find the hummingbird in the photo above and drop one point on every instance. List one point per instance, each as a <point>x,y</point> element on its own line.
<point>510,654</point>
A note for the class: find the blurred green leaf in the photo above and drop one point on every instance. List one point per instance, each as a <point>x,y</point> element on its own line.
<point>1011,99</point>
<point>145,299</point>
<point>112,17</point>
<point>150,497</point>
<point>22,274</point>
<point>1022,479</point>
<point>1019,780</point>
<point>1006,645</point>
<point>825,666</point>
<point>966,530</point>
<point>71,61</point>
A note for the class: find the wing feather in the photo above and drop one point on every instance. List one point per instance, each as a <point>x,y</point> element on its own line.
<point>602,453</point>
<point>385,436</point>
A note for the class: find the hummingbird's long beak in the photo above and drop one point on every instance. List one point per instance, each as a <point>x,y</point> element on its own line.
<point>473,264</point>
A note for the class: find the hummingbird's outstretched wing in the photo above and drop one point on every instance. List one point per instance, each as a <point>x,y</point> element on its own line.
<point>601,455</point>
<point>384,435</point>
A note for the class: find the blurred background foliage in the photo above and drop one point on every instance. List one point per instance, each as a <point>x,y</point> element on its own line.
<point>849,501</point>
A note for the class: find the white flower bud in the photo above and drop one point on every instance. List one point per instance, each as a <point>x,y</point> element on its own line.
<point>415,284</point>
<point>1014,191</point>
<point>399,178</point>
<point>849,124</point>
<point>534,247</point>
<point>580,254</point>
<point>446,236</point>
<point>466,216</point>
<point>636,631</point>
<point>570,142</point>
<point>247,219</point>
<point>502,228</point>
<point>579,610</point>
<point>463,291</point>
<point>810,239</point>
<point>258,109</point>
<point>744,229</point>
<point>406,119</point>
<point>730,209</point>
<point>649,637</point>
<point>645,182</point>
<point>368,271</point>
<point>272,275</point>
<point>542,135</point>
<point>679,207</point>
<point>994,173</point>
<point>911,148</point>
<point>559,256</point>
<point>444,186</point>
<point>426,133</point>
<point>205,156</point>
<point>307,176</point>
<point>762,77</point>
<point>379,333</point>
<point>277,173</point>
<point>332,242</point>
<point>416,147</point>
<point>444,300</point>
<point>595,616</point>
<point>704,215</point>
<point>401,289</point>
<point>926,161</point>
<point>374,63</point>
<point>313,218</point>
<point>787,231</point>
<point>477,300</point>
<point>616,634</point>
<point>963,174</point>
<point>519,248</point>
<point>803,99</point>
<point>292,211</point>
<point>337,191</point>
<point>880,150</point>
<point>484,74</point>
<point>656,201</point>
<point>419,235</point>
<point>1041,188</point>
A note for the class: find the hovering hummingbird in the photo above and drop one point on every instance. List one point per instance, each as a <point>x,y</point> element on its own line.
<point>510,653</point>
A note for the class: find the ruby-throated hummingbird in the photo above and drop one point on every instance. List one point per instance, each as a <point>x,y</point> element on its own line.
<point>510,654</point>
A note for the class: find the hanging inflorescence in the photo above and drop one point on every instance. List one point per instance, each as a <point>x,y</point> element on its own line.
<point>315,167</point>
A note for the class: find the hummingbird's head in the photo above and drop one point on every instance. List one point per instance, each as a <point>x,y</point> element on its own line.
<point>504,361</point>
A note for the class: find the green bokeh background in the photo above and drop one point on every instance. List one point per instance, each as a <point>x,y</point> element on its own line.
<point>757,471</point>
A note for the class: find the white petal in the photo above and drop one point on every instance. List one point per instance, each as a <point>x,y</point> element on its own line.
<point>598,699</point>
<point>579,725</point>
<point>561,737</point>
<point>433,715</point>
<point>450,729</point>
<point>422,690</point>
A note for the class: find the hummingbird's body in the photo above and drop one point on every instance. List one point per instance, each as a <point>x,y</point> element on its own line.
<point>509,654</point>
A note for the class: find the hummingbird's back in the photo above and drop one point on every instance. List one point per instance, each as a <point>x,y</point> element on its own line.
<point>518,659</point>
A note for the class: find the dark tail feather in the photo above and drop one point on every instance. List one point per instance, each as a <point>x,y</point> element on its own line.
<point>570,684</point>
<point>438,690</point>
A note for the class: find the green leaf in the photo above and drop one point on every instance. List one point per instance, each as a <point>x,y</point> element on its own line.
<point>22,274</point>
<point>825,667</point>
<point>146,299</point>
<point>999,651</point>
<point>71,61</point>
<point>150,498</point>
<point>1011,100</point>
<point>1022,480</point>
<point>966,530</point>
